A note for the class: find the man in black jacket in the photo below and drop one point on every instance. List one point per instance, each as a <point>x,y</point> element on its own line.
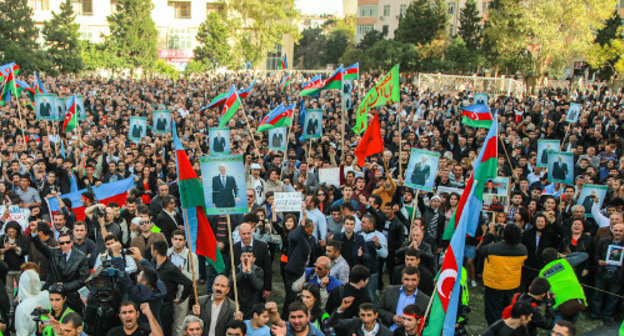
<point>389,302</point>
<point>171,276</point>
<point>250,281</point>
<point>300,242</point>
<point>365,324</point>
<point>356,288</point>
<point>394,230</point>
<point>67,266</point>
<point>168,220</point>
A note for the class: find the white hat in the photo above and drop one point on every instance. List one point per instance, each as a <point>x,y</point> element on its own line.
<point>435,197</point>
<point>255,166</point>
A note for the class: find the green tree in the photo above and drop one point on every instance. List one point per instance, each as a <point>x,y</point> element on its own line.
<point>133,35</point>
<point>422,22</point>
<point>62,41</point>
<point>470,29</point>
<point>336,44</point>
<point>605,54</point>
<point>263,25</point>
<point>98,56</point>
<point>370,39</point>
<point>214,50</point>
<point>460,59</point>
<point>18,36</point>
<point>307,51</point>
<point>384,54</point>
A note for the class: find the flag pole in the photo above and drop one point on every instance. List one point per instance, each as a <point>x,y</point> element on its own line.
<point>343,106</point>
<point>188,244</point>
<point>285,153</point>
<point>400,134</point>
<point>229,226</point>
<point>422,326</point>
<point>249,130</point>
<point>18,102</point>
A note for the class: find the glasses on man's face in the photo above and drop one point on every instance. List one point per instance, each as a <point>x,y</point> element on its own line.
<point>320,194</point>
<point>250,196</point>
<point>65,242</point>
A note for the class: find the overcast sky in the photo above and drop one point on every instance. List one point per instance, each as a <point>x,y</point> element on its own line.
<point>319,6</point>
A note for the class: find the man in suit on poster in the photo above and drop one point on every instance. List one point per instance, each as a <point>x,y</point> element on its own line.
<point>224,189</point>
<point>560,169</point>
<point>161,122</point>
<point>277,139</point>
<point>45,108</point>
<point>218,143</point>
<point>421,172</point>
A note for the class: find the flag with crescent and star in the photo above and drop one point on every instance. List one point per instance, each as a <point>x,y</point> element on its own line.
<point>477,115</point>
<point>446,296</point>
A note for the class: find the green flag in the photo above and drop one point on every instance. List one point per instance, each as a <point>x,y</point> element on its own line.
<point>387,90</point>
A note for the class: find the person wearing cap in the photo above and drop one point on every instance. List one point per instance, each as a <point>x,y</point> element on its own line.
<point>253,180</point>
<point>433,218</point>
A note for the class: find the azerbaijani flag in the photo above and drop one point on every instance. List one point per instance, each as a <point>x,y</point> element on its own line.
<point>243,94</point>
<point>443,316</point>
<point>69,122</point>
<point>10,86</point>
<point>351,72</point>
<point>8,68</point>
<point>281,116</point>
<point>201,238</point>
<point>284,82</point>
<point>104,193</point>
<point>477,115</point>
<point>284,62</point>
<point>230,106</point>
<point>39,88</point>
<point>334,81</point>
<point>484,168</point>
<point>312,87</point>
<point>220,99</point>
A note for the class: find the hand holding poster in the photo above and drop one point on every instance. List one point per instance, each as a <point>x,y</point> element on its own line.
<point>573,113</point>
<point>45,104</point>
<point>590,194</point>
<point>277,139</point>
<point>422,169</point>
<point>287,201</point>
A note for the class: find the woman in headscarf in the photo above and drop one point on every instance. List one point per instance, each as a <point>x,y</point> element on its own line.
<point>31,296</point>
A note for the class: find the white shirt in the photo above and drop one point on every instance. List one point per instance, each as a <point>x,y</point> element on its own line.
<point>214,317</point>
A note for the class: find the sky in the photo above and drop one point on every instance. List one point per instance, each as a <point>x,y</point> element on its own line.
<point>319,6</point>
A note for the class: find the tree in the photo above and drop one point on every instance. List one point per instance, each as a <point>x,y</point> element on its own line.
<point>18,36</point>
<point>605,54</point>
<point>263,25</point>
<point>98,56</point>
<point>460,59</point>
<point>422,22</point>
<point>61,35</point>
<point>133,34</point>
<point>214,49</point>
<point>335,45</point>
<point>370,39</point>
<point>307,51</point>
<point>470,29</point>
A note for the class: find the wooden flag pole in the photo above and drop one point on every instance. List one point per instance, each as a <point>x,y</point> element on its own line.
<point>188,244</point>
<point>422,325</point>
<point>400,136</point>
<point>249,130</point>
<point>285,153</point>
<point>232,262</point>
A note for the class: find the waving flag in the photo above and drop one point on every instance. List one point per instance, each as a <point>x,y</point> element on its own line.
<point>10,87</point>
<point>477,115</point>
<point>312,87</point>
<point>484,168</point>
<point>443,314</point>
<point>230,106</point>
<point>388,90</point>
<point>284,82</point>
<point>351,72</point>
<point>8,68</point>
<point>284,62</point>
<point>334,81</point>
<point>104,193</point>
<point>371,142</point>
<point>39,88</point>
<point>69,122</point>
<point>243,94</point>
<point>201,238</point>
<point>281,116</point>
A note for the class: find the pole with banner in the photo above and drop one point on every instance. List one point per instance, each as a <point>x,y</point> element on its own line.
<point>233,265</point>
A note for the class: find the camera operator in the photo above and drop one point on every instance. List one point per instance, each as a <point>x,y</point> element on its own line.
<point>68,266</point>
<point>539,292</point>
<point>58,311</point>
<point>148,288</point>
<point>104,219</point>
<point>130,266</point>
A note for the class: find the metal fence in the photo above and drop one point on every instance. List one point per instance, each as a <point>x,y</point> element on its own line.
<point>493,86</point>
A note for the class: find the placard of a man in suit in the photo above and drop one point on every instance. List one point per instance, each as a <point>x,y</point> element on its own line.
<point>588,202</point>
<point>218,143</point>
<point>312,126</point>
<point>560,169</point>
<point>277,139</point>
<point>137,130</point>
<point>573,114</point>
<point>224,189</point>
<point>161,122</point>
<point>544,158</point>
<point>45,108</point>
<point>421,172</point>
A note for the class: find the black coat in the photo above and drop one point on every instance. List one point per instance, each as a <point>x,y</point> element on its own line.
<point>167,225</point>
<point>353,326</point>
<point>72,273</point>
<point>263,260</point>
<point>299,247</point>
<point>224,196</point>
<point>336,296</point>
<point>172,277</point>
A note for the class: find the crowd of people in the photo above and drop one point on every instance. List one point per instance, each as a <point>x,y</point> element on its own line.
<point>359,258</point>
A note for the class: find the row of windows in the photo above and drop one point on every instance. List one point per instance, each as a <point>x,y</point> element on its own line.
<point>371,11</point>
<point>81,7</point>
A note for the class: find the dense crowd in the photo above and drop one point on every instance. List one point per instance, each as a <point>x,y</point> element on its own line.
<point>359,258</point>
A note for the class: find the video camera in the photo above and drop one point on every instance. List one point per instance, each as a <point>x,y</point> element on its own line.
<point>38,312</point>
<point>105,278</point>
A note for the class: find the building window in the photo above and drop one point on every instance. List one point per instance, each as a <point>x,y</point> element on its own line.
<point>42,5</point>
<point>451,8</point>
<point>180,38</point>
<point>182,9</point>
<point>363,29</point>
<point>386,10</point>
<point>385,29</point>
<point>83,7</point>
<point>620,4</point>
<point>367,11</point>
<point>403,9</point>
<point>274,59</point>
<point>213,7</point>
<point>451,30</point>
